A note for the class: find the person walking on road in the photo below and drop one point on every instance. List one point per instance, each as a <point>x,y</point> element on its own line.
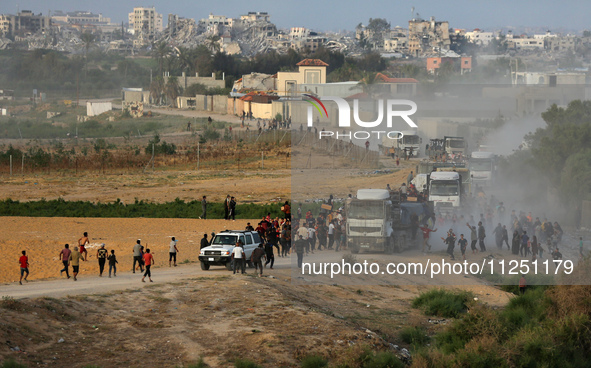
<point>65,259</point>
<point>137,256</point>
<point>481,236</point>
<point>148,262</point>
<point>463,243</point>
<point>112,263</point>
<point>172,251</point>
<point>75,258</point>
<point>473,238</point>
<point>450,241</point>
<point>300,247</point>
<point>101,255</point>
<point>257,259</point>
<point>24,262</point>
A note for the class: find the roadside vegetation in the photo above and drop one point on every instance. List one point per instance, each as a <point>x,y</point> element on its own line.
<point>140,208</point>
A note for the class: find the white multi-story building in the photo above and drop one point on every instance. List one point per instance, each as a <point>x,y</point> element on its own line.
<point>256,17</point>
<point>217,24</point>
<point>479,37</point>
<point>299,32</point>
<point>145,23</point>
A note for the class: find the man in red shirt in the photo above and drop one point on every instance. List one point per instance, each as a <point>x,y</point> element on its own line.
<point>24,261</point>
<point>426,233</point>
<point>148,262</point>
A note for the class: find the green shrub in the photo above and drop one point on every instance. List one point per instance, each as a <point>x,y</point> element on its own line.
<point>383,359</point>
<point>314,361</point>
<point>245,363</point>
<point>11,363</point>
<point>199,364</point>
<point>416,336</point>
<point>442,303</point>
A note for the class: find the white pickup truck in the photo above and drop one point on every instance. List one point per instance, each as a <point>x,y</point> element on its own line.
<point>219,253</point>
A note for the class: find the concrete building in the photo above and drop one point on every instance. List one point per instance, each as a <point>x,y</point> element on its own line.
<point>79,17</point>
<point>253,17</point>
<point>310,71</point>
<point>397,44</point>
<point>217,24</point>
<point>460,64</point>
<point>144,23</point>
<point>25,22</point>
<point>299,32</point>
<point>560,44</point>
<point>426,35</point>
<point>479,37</point>
<point>185,81</point>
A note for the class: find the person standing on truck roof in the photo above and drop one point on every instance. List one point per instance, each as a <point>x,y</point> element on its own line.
<point>409,178</point>
<point>403,192</point>
<point>426,233</point>
<point>481,236</point>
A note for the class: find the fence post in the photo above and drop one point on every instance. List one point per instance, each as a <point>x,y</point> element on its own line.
<point>152,157</point>
<point>198,152</point>
<point>23,164</point>
<point>10,165</point>
<point>262,159</point>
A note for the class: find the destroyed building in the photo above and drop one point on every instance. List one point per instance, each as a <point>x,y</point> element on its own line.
<point>426,35</point>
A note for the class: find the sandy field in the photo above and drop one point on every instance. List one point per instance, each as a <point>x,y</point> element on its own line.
<point>43,239</point>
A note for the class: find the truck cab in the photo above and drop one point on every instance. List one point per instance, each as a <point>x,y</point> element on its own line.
<point>445,190</point>
<point>482,168</point>
<point>369,220</point>
<point>455,145</point>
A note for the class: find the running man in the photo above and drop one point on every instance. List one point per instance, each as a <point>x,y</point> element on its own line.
<point>24,262</point>
<point>75,258</point>
<point>82,242</point>
<point>65,259</point>
<point>426,233</point>
<point>172,252</point>
<point>148,261</point>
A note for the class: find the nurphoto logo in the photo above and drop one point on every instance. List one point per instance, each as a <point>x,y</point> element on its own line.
<point>385,108</point>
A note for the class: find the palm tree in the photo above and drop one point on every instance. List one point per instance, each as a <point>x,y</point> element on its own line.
<point>368,83</point>
<point>157,89</point>
<point>87,39</point>
<point>161,51</point>
<point>212,43</point>
<point>172,90</point>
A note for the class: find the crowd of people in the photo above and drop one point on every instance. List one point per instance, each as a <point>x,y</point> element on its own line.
<point>522,233</point>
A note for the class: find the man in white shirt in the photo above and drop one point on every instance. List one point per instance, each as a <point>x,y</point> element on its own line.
<point>303,230</point>
<point>312,238</point>
<point>173,250</point>
<point>330,235</point>
<point>238,256</point>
